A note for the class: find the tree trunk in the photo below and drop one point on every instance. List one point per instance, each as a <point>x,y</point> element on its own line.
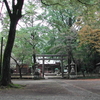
<point>34,61</point>
<point>69,62</point>
<point>20,73</point>
<point>18,67</point>
<point>34,58</point>
<point>6,78</point>
<point>15,15</point>
<point>83,73</point>
<point>70,22</point>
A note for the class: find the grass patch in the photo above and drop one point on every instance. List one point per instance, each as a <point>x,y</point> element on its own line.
<point>10,86</point>
<point>16,86</point>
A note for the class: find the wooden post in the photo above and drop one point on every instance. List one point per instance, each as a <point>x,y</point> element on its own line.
<point>1,55</point>
<point>76,69</point>
<point>62,68</point>
<point>43,67</point>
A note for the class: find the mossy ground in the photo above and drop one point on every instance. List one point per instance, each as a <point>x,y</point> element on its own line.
<point>18,86</point>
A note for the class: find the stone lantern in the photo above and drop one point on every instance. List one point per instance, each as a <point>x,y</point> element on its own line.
<point>73,72</point>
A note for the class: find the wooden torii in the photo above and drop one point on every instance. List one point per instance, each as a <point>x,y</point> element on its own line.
<point>44,57</point>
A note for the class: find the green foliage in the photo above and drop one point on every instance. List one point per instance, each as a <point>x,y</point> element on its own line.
<point>52,26</point>
<point>22,50</point>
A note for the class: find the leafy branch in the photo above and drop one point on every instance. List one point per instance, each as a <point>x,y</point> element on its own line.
<point>88,3</point>
<point>50,4</point>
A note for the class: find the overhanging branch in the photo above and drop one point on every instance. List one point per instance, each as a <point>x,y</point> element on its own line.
<point>46,4</point>
<point>88,3</point>
<point>15,60</point>
<point>8,8</point>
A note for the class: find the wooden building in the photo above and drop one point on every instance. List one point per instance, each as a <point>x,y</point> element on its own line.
<point>25,69</point>
<point>50,68</point>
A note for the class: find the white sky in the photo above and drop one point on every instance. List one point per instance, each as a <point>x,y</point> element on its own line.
<point>3,9</point>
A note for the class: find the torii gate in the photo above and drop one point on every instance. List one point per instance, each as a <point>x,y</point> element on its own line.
<point>44,57</point>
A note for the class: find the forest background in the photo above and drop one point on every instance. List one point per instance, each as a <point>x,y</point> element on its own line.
<point>52,27</point>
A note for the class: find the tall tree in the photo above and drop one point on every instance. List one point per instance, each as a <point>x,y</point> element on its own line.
<point>15,14</point>
<point>29,21</point>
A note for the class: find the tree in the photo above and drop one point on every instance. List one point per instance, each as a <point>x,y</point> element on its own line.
<point>60,20</point>
<point>29,20</point>
<point>90,36</point>
<point>15,14</point>
<point>22,51</point>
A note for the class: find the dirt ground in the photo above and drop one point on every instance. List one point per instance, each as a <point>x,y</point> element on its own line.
<point>54,89</point>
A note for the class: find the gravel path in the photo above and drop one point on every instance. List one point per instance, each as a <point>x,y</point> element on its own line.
<point>54,89</point>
